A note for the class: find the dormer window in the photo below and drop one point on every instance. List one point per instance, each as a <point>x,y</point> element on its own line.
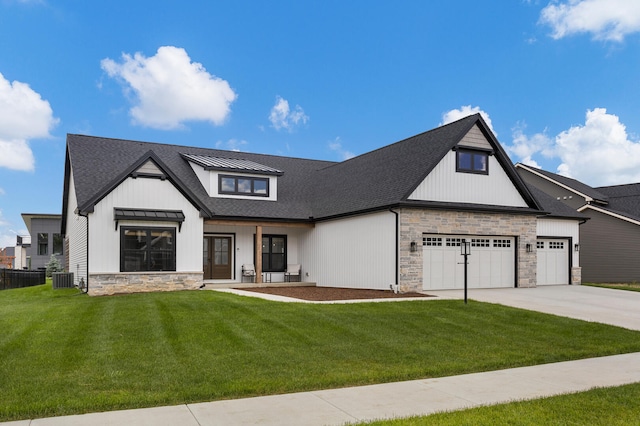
<point>244,185</point>
<point>472,161</point>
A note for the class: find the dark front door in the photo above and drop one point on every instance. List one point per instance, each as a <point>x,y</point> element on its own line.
<point>217,258</point>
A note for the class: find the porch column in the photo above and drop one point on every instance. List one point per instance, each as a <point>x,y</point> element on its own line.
<point>258,254</point>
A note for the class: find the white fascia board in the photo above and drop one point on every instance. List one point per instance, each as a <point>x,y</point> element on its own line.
<point>609,213</point>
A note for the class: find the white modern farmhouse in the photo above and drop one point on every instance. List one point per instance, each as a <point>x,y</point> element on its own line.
<point>141,216</point>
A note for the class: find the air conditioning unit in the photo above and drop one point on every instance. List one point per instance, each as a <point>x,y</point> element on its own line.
<point>63,280</point>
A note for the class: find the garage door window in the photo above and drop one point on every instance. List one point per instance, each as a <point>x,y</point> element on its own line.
<point>501,243</point>
<point>480,242</point>
<point>540,244</point>
<point>556,245</point>
<point>432,241</point>
<point>454,242</point>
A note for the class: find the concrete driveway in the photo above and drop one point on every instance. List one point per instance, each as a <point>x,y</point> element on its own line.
<point>615,307</point>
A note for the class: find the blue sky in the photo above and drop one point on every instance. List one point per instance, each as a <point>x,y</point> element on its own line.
<point>558,81</point>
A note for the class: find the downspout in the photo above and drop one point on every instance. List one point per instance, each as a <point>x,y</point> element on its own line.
<point>394,287</point>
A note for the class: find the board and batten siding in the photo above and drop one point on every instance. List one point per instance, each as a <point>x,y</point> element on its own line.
<point>143,193</point>
<point>561,228</point>
<point>446,185</point>
<point>352,252</point>
<point>76,235</point>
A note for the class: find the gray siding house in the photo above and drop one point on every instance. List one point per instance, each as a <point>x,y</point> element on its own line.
<point>46,239</point>
<point>609,240</point>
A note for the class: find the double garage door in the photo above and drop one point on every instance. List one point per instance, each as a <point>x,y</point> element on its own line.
<point>491,263</point>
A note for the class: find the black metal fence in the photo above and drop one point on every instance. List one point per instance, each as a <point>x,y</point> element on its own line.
<point>16,278</point>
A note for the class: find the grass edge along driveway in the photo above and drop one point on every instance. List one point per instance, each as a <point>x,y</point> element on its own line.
<point>610,406</point>
<point>65,353</point>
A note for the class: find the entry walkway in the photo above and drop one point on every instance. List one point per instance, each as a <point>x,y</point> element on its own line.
<point>366,403</point>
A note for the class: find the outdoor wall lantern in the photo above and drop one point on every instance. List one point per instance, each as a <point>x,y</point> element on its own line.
<point>414,246</point>
<point>576,247</point>
<point>528,248</point>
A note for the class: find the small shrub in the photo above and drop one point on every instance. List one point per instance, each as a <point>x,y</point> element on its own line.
<point>53,266</point>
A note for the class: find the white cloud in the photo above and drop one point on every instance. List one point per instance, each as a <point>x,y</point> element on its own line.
<point>600,152</point>
<point>465,111</point>
<point>336,146</point>
<point>168,89</point>
<point>524,147</point>
<point>24,115</point>
<point>231,145</point>
<point>609,20</point>
<point>282,117</point>
<point>2,191</point>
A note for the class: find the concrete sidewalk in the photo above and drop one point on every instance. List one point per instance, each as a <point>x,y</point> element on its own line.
<point>366,403</point>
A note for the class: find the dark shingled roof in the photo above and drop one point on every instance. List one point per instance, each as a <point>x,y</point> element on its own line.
<point>572,183</point>
<point>623,199</point>
<point>555,208</point>
<point>307,189</point>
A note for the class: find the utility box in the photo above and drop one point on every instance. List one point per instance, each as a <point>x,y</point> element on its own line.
<point>63,280</point>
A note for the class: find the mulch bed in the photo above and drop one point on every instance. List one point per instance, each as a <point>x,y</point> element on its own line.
<point>331,293</point>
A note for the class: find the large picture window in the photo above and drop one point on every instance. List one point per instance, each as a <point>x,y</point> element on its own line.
<point>147,249</point>
<point>469,161</point>
<point>274,253</point>
<point>244,185</point>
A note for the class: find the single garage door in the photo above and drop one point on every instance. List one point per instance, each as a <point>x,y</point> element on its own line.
<point>553,261</point>
<point>491,263</point>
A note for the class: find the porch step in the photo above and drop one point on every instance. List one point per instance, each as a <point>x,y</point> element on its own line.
<point>211,285</point>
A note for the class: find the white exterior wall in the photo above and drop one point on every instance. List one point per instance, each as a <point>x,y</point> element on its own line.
<point>352,252</point>
<point>76,232</point>
<point>561,228</point>
<point>446,185</point>
<point>143,193</point>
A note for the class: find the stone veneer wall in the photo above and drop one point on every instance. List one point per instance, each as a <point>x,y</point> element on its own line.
<point>576,275</point>
<point>134,282</point>
<point>415,222</point>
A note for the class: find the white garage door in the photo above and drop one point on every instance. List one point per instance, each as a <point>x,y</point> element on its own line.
<point>491,263</point>
<point>553,261</point>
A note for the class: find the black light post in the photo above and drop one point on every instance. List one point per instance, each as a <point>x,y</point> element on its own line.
<point>465,250</point>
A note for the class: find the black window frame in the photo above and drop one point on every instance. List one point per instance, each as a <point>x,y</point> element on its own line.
<point>236,178</point>
<point>268,266</point>
<point>476,155</point>
<point>43,244</point>
<point>58,243</point>
<point>149,250</point>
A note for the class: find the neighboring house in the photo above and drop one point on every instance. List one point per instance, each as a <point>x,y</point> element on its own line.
<point>7,257</point>
<point>609,245</point>
<point>143,216</point>
<point>23,243</point>
<point>46,239</point>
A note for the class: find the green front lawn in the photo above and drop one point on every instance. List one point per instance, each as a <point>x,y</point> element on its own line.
<point>62,352</point>
<point>604,407</point>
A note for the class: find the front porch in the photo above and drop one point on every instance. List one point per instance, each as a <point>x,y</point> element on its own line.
<point>265,248</point>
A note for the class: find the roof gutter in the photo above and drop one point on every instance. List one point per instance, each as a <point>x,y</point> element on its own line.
<point>394,286</point>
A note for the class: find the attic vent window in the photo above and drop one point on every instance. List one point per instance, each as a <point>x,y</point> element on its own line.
<point>471,161</point>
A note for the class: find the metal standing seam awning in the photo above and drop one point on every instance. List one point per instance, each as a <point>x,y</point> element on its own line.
<point>151,215</point>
